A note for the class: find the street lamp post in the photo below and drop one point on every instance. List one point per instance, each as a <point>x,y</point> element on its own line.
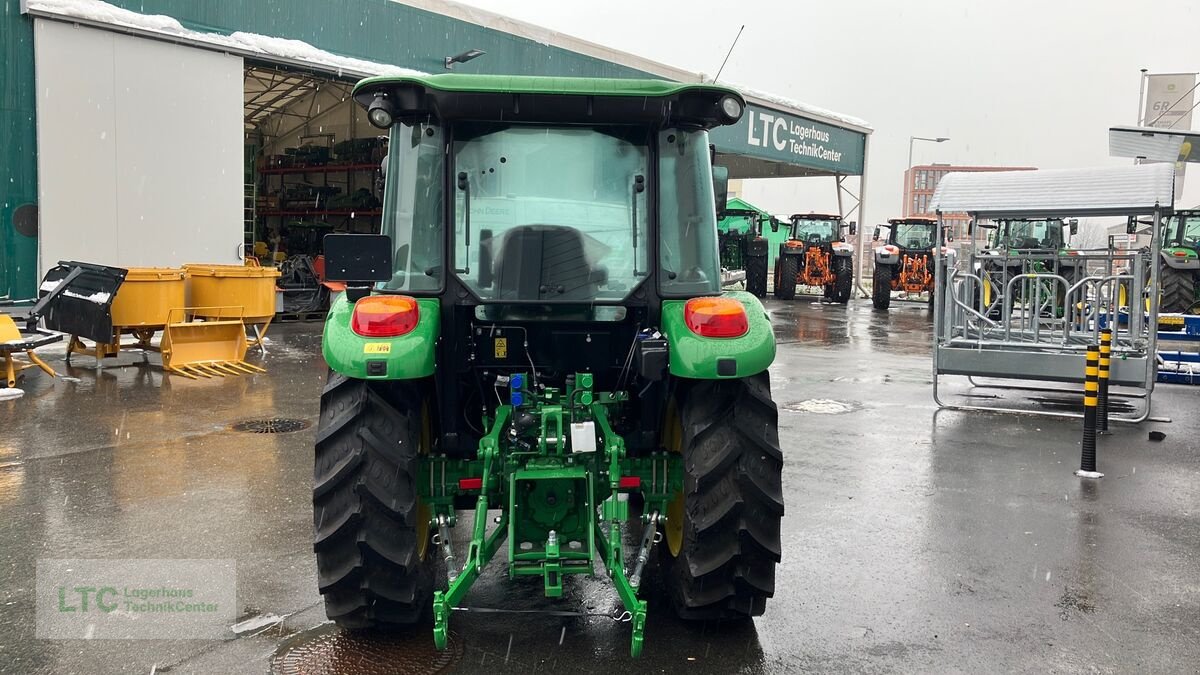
<point>908,168</point>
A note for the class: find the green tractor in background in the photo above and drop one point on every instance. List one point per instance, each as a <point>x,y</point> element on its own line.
<point>1040,246</point>
<point>1180,271</point>
<point>744,248</point>
<point>540,331</point>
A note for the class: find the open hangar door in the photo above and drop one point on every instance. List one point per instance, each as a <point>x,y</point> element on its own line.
<point>312,168</point>
<point>139,146</point>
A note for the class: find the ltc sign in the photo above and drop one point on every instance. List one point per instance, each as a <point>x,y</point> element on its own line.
<point>777,136</point>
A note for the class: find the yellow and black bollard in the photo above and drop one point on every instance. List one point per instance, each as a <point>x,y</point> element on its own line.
<point>1091,389</point>
<point>1105,362</point>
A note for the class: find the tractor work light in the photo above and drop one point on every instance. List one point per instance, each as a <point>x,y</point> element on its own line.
<point>731,108</point>
<point>380,112</point>
<point>716,317</point>
<point>385,316</point>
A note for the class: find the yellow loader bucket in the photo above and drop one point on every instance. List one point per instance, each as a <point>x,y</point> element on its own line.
<point>214,346</point>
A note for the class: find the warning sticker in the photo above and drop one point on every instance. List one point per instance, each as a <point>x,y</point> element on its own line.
<point>377,348</point>
<point>501,350</point>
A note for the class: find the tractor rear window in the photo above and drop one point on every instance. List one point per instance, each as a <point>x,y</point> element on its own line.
<point>1191,231</point>
<point>551,214</point>
<point>1035,234</point>
<point>817,231</point>
<point>915,235</point>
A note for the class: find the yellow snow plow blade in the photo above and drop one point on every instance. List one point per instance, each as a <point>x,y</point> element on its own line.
<point>214,346</point>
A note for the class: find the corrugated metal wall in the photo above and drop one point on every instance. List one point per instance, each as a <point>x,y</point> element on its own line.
<point>18,156</point>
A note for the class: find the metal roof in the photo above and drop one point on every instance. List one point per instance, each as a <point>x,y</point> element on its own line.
<point>1161,145</point>
<point>1106,191</point>
<point>273,91</point>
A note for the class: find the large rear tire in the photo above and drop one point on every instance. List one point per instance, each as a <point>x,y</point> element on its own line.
<point>843,285</point>
<point>881,286</point>
<point>785,282</point>
<point>756,275</point>
<point>728,433</point>
<point>367,519</point>
<point>1178,289</point>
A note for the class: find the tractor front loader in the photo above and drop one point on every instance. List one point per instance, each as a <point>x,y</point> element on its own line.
<point>540,331</point>
<point>904,262</point>
<point>816,254</point>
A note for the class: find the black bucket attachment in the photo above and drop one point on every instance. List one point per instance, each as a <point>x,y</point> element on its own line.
<point>83,304</point>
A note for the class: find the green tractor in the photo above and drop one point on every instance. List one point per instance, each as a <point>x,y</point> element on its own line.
<point>1039,246</point>
<point>744,248</point>
<point>540,331</point>
<point>1180,269</point>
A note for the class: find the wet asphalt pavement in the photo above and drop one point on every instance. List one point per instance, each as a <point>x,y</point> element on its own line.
<point>913,541</point>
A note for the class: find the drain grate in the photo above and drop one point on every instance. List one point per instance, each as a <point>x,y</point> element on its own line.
<point>341,652</point>
<point>273,425</point>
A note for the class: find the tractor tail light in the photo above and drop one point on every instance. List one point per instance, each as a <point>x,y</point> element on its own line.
<point>385,315</point>
<point>716,317</point>
<point>629,482</point>
<point>470,483</point>
<point>1181,254</point>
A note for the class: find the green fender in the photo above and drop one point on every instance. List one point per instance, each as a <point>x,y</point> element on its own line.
<point>407,357</point>
<point>696,357</point>
<point>1180,257</point>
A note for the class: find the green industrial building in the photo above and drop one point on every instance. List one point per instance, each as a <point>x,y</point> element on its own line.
<point>160,132</point>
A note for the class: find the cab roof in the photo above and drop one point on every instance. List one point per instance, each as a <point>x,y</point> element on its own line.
<point>567,100</point>
<point>913,220</point>
<point>814,216</point>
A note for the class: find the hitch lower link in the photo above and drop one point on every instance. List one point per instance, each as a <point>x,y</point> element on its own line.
<point>589,540</point>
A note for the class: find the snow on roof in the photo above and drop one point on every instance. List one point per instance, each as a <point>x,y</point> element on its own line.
<point>246,44</point>
<point>553,38</point>
<point>804,109</point>
<point>1119,190</point>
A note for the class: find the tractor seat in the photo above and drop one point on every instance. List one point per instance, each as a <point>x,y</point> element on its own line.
<point>544,262</point>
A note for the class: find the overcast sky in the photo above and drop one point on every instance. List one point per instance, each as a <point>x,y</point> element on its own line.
<point>1011,82</point>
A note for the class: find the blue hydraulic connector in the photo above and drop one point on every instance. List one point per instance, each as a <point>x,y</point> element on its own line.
<point>515,385</point>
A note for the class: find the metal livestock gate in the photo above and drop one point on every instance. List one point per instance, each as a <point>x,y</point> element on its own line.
<point>1030,315</point>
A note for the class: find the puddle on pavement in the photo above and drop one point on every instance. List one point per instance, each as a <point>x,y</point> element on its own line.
<point>823,406</point>
<point>327,650</point>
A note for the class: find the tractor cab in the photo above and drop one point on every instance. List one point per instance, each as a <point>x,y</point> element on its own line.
<point>911,235</point>
<point>1041,235</point>
<point>539,331</point>
<point>815,230</point>
<point>1182,230</point>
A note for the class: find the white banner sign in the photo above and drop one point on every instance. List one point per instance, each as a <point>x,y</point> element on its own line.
<point>1169,101</point>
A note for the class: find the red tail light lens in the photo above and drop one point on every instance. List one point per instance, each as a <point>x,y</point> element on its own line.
<point>385,315</point>
<point>716,317</point>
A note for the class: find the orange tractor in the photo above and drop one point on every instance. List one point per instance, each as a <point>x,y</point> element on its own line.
<point>905,261</point>
<point>816,254</point>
